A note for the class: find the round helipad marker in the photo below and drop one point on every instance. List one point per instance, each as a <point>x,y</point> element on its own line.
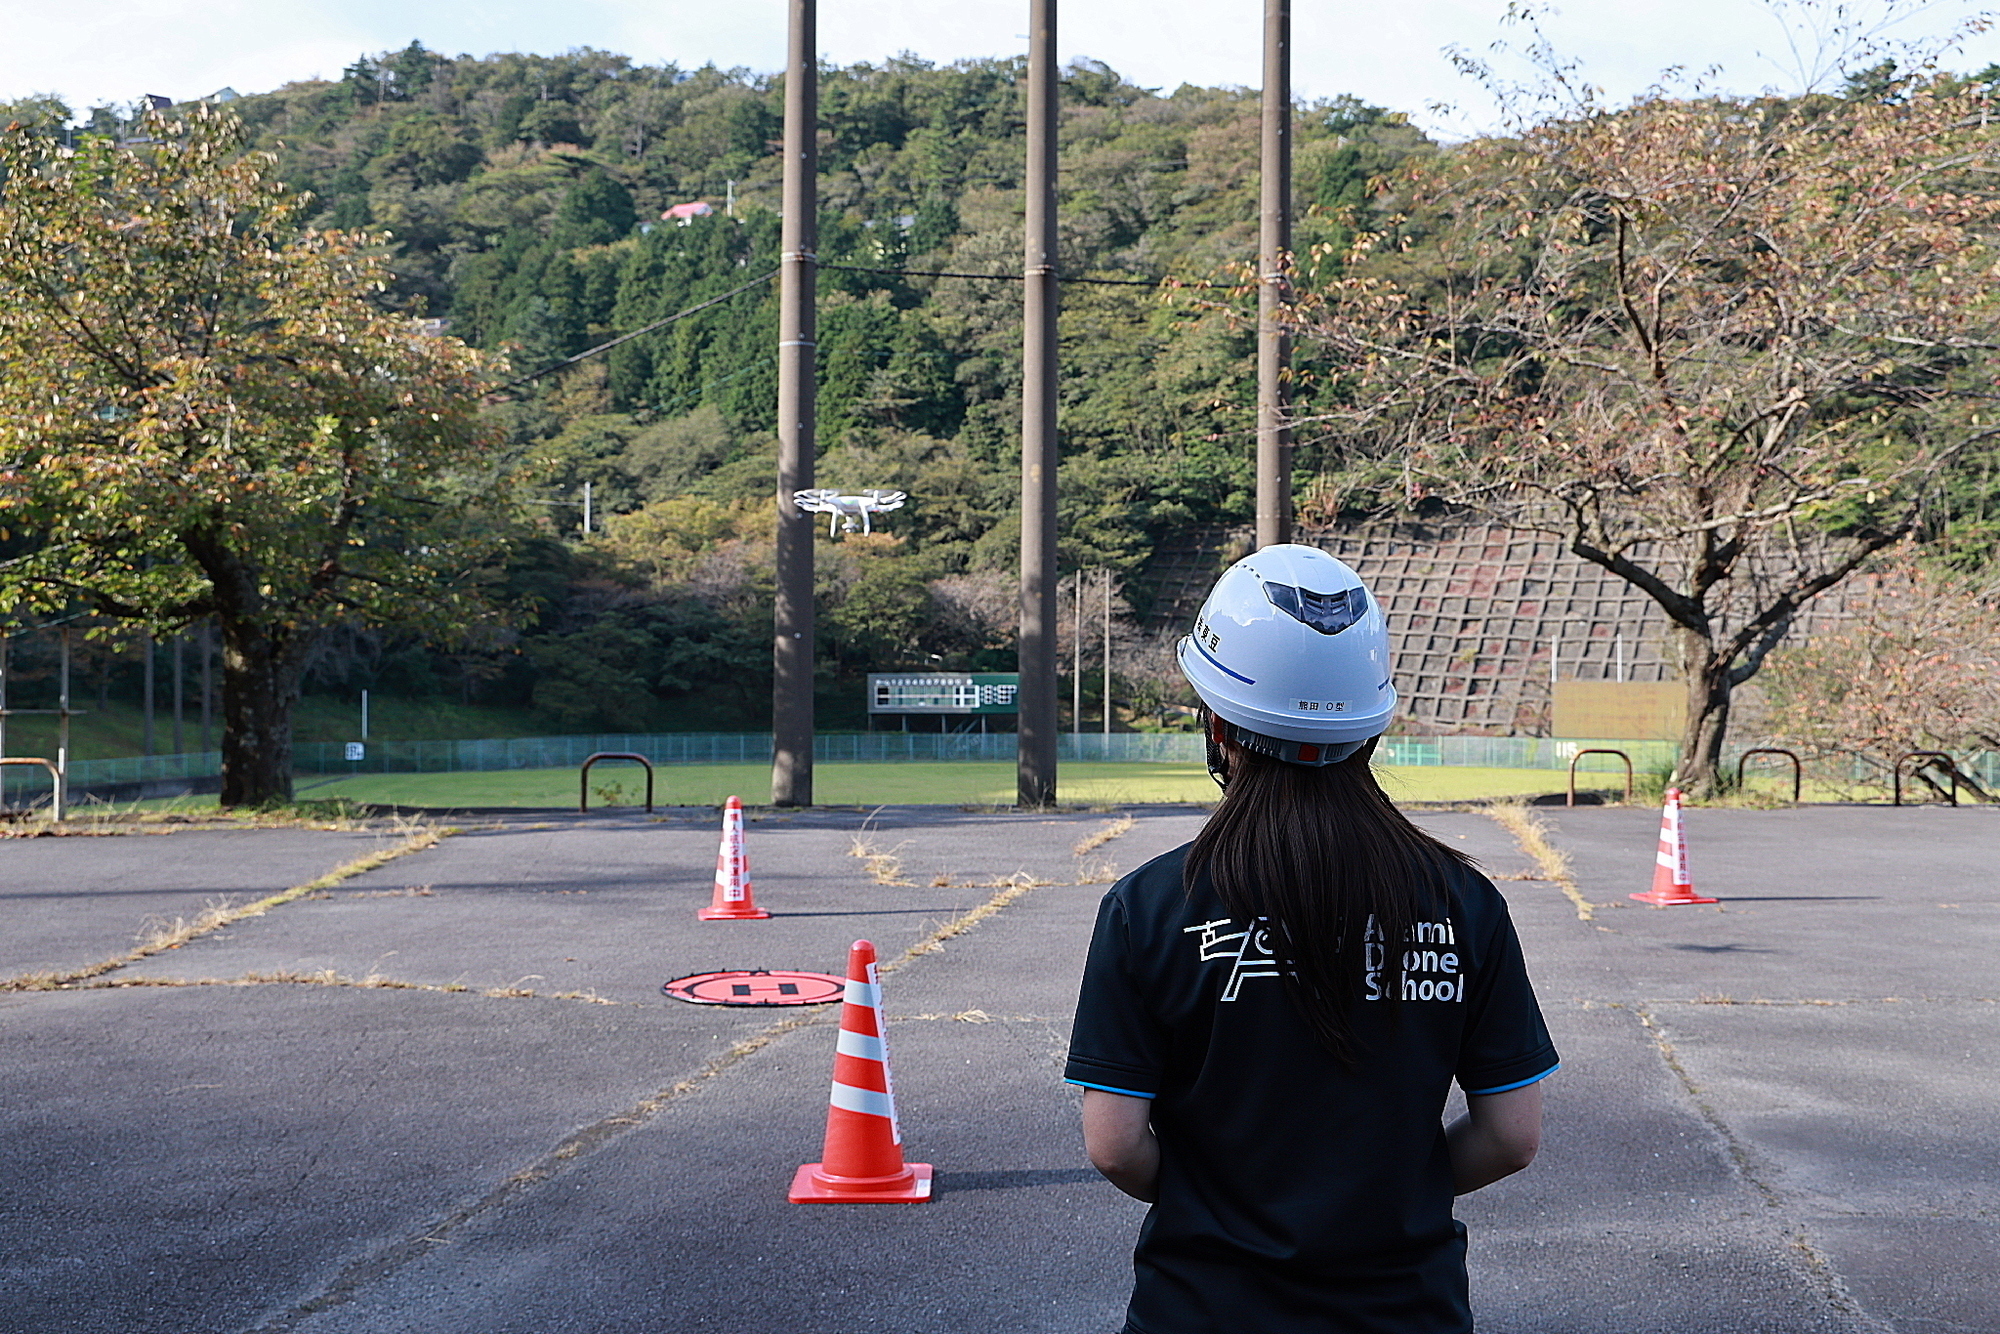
<point>757,986</point>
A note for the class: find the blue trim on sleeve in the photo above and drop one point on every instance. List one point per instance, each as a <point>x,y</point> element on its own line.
<point>1106,1088</point>
<point>1517,1084</point>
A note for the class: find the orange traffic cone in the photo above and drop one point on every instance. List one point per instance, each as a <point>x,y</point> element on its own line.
<point>1671,882</point>
<point>864,1145</point>
<point>733,899</point>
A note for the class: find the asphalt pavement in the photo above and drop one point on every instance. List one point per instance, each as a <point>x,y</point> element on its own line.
<point>447,1094</point>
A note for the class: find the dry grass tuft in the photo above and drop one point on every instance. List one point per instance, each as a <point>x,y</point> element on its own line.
<point>158,933</point>
<point>1015,886</point>
<point>885,866</point>
<point>327,977</point>
<point>1098,871</point>
<point>1532,833</point>
<point>163,935</point>
<point>1098,838</point>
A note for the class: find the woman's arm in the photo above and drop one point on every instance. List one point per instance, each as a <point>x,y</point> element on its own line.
<point>1497,1136</point>
<point>1118,1135</point>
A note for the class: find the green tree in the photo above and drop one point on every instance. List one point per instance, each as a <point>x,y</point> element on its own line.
<point>204,414</point>
<point>41,112</point>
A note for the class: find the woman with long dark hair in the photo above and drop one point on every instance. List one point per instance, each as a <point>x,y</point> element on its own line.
<point>1272,1015</point>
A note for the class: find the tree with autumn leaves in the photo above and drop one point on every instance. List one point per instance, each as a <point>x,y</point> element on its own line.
<point>1724,348</point>
<point>206,413</point>
<point>1912,673</point>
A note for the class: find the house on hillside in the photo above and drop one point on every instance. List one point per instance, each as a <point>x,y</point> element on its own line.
<point>684,214</point>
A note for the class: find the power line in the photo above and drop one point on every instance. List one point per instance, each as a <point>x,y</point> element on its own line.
<point>766,277</point>
<point>991,277</point>
<point>656,324</point>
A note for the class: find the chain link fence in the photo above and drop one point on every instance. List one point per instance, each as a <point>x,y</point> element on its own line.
<point>568,752</point>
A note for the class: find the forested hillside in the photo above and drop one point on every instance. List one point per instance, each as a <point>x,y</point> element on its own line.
<point>546,206</point>
<point>525,196</point>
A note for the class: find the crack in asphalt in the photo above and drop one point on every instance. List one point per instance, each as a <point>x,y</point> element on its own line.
<point>1532,837</point>
<point>1825,1275</point>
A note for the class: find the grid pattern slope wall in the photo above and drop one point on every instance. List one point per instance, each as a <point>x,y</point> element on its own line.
<point>1476,611</point>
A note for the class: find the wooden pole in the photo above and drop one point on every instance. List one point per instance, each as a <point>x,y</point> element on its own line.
<point>793,631</point>
<point>1274,243</point>
<point>146,703</point>
<point>3,717</point>
<point>207,687</point>
<point>1076,655</point>
<point>59,805</point>
<point>1107,652</point>
<point>1036,762</point>
<point>180,692</point>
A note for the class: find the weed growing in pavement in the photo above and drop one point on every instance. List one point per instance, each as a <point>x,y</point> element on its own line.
<point>885,867</point>
<point>1098,838</point>
<point>171,935</point>
<point>1532,833</point>
<point>157,933</point>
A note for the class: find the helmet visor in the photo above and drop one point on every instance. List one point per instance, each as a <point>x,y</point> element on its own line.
<point>1328,613</point>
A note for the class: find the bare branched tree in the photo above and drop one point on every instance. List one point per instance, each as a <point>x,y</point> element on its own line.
<point>1699,339</point>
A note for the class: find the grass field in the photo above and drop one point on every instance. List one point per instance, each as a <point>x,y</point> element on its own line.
<point>956,784</point>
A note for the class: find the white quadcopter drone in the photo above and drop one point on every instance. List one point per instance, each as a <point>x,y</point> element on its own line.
<point>850,513</point>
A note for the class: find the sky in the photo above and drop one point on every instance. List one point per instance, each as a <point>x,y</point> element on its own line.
<point>1389,54</point>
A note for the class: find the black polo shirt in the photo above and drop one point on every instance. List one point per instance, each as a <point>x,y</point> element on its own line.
<point>1297,1194</point>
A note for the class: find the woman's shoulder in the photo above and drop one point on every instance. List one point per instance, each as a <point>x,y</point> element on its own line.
<point>1160,876</point>
<point>1157,890</point>
<point>1476,901</point>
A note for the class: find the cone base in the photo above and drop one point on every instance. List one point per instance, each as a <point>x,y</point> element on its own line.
<point>1661,899</point>
<point>812,1185</point>
<point>735,914</point>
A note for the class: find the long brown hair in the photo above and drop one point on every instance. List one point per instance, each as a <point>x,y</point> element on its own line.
<point>1318,853</point>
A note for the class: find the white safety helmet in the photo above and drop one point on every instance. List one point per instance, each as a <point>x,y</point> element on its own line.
<point>1291,650</point>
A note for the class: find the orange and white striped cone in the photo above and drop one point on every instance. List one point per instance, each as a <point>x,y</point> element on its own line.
<point>1672,883</point>
<point>862,1161</point>
<point>734,900</point>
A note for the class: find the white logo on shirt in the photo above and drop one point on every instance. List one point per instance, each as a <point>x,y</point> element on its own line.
<point>1249,951</point>
<point>1428,974</point>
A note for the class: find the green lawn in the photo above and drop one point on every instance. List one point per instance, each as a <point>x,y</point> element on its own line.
<point>950,784</point>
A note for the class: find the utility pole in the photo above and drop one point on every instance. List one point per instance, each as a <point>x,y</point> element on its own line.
<point>1274,243</point>
<point>792,636</point>
<point>1036,764</point>
<point>180,693</point>
<point>1076,656</point>
<point>1107,651</point>
<point>207,686</point>
<point>3,717</point>
<point>60,802</point>
<point>146,693</point>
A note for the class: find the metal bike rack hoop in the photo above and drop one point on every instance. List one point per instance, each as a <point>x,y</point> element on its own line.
<point>55,774</point>
<point>1798,770</point>
<point>1598,750</point>
<point>583,778</point>
<point>1896,776</point>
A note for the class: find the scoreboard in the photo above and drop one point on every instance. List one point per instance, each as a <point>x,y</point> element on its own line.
<point>944,692</point>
